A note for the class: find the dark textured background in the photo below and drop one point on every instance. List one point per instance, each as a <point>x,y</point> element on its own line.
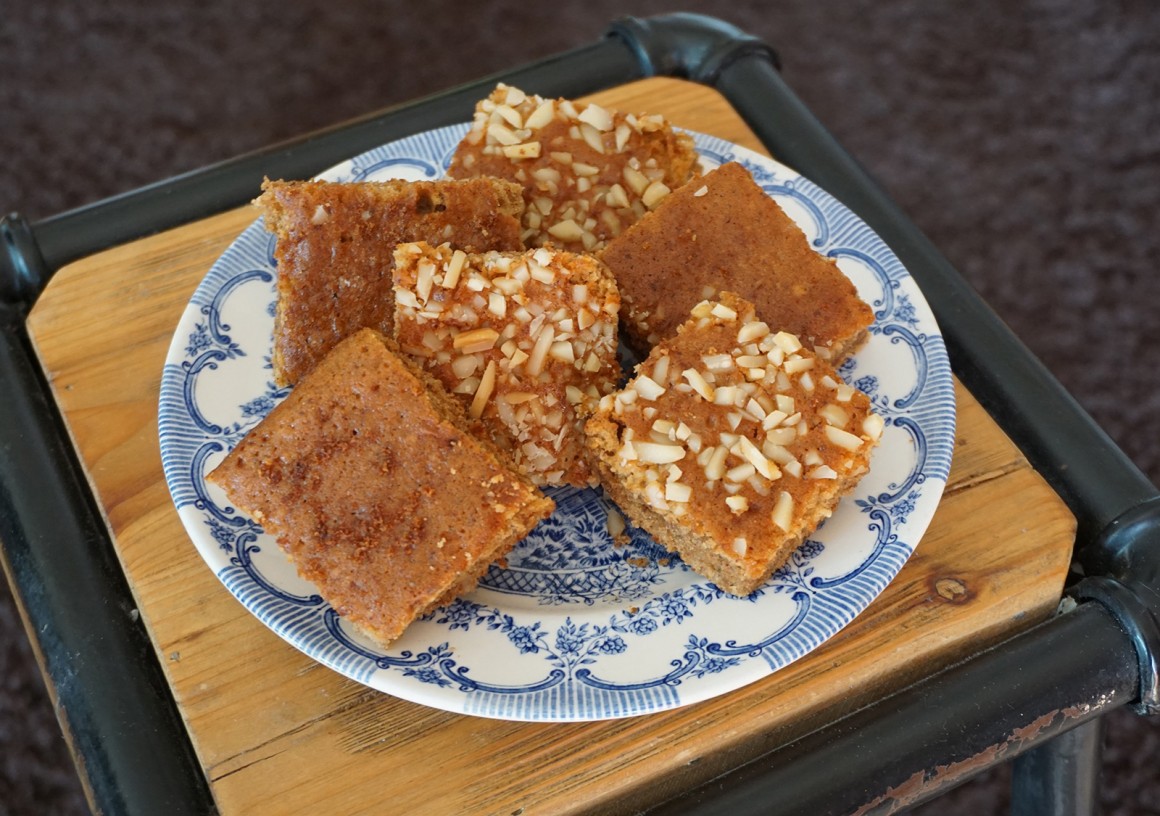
<point>1022,137</point>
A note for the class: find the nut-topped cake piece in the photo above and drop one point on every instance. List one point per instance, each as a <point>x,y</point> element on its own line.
<point>587,172</point>
<point>369,479</point>
<point>723,233</point>
<point>335,244</point>
<point>732,443</point>
<point>526,340</point>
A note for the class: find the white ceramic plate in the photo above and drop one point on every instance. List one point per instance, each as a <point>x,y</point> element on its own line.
<point>573,628</point>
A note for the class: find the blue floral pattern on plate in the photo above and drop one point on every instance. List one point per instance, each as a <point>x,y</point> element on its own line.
<point>573,626</point>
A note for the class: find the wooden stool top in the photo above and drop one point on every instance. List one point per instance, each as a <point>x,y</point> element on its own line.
<point>277,732</point>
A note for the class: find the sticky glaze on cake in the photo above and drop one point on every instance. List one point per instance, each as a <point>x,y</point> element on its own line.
<point>587,172</point>
<point>723,233</point>
<point>335,244</point>
<point>732,443</point>
<point>527,341</point>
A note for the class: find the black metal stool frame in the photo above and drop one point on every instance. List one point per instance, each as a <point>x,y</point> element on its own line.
<point>1036,698</point>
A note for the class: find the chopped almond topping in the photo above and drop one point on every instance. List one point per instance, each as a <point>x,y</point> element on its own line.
<point>476,340</point>
<point>657,453</point>
<point>843,439</point>
<point>589,172</point>
<point>742,456</point>
<point>783,511</point>
<point>527,150</point>
<point>738,504</point>
<point>528,340</point>
<point>647,388</point>
<point>698,382</point>
<point>483,393</point>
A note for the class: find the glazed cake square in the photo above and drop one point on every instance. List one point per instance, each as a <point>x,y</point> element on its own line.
<point>587,172</point>
<point>723,233</point>
<point>731,443</point>
<point>370,482</point>
<point>526,340</point>
<point>335,245</point>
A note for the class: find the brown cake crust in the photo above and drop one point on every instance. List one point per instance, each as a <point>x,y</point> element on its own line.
<point>587,173</point>
<point>371,484</point>
<point>723,233</point>
<point>527,340</point>
<point>731,444</point>
<point>335,245</point>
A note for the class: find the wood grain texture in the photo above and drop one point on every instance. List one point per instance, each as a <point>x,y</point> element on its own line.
<point>279,733</point>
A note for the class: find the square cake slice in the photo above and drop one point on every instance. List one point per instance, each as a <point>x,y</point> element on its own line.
<point>723,233</point>
<point>335,244</point>
<point>732,443</point>
<point>526,340</point>
<point>587,173</point>
<point>371,484</point>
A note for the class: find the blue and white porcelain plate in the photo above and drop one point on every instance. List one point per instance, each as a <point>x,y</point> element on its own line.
<point>573,627</point>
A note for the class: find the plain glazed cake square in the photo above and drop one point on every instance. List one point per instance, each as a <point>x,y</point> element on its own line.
<point>371,484</point>
<point>731,443</point>
<point>335,244</point>
<point>526,340</point>
<point>723,233</point>
<point>587,172</point>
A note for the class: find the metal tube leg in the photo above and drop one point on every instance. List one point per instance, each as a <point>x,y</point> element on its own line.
<point>1060,777</point>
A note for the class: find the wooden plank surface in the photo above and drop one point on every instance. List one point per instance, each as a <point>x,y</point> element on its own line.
<point>279,733</point>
